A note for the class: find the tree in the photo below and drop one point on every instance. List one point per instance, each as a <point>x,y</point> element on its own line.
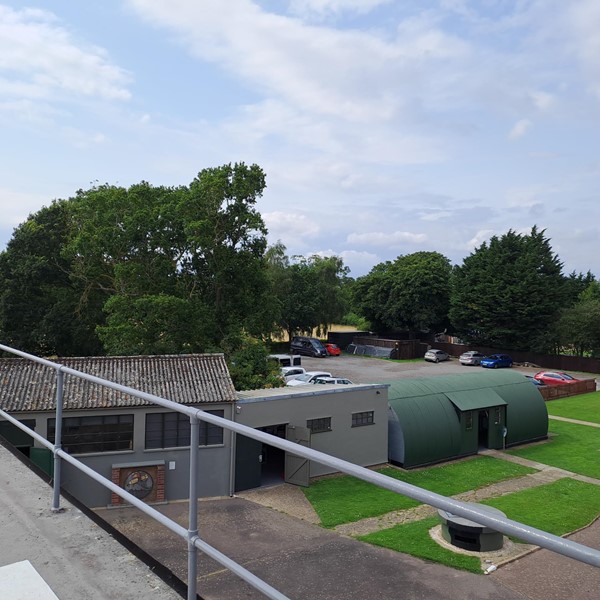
<point>308,292</point>
<point>249,366</point>
<point>579,325</point>
<point>195,254</point>
<point>40,305</point>
<point>507,294</point>
<point>412,293</point>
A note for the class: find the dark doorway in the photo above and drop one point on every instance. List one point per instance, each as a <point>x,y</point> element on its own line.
<point>484,425</point>
<point>273,459</point>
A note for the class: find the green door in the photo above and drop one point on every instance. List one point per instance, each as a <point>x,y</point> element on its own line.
<point>248,463</point>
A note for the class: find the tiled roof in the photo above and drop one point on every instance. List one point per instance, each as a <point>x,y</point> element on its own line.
<point>187,379</point>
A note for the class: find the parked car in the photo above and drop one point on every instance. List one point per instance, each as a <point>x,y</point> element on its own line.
<point>332,349</point>
<point>286,360</point>
<point>434,355</point>
<point>472,357</point>
<point>307,378</point>
<point>534,381</point>
<point>292,372</point>
<point>495,361</point>
<point>308,346</point>
<point>554,377</point>
<point>333,380</point>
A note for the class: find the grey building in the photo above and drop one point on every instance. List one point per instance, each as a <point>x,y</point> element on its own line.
<point>345,421</point>
<point>118,435</point>
<point>143,446</point>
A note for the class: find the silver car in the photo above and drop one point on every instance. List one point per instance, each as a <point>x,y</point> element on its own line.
<point>472,357</point>
<point>434,355</point>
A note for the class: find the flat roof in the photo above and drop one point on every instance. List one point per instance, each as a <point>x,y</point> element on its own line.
<point>302,391</point>
<point>63,554</point>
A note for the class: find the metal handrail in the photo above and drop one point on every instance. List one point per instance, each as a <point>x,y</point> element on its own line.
<point>468,510</point>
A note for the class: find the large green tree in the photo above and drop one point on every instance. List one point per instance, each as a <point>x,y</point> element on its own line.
<point>42,310</point>
<point>579,324</point>
<point>411,293</point>
<point>184,267</point>
<point>508,293</point>
<point>308,291</point>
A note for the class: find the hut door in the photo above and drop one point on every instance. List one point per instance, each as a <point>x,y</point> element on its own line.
<point>297,469</point>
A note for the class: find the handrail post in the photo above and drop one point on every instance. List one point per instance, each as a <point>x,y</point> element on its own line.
<point>57,441</point>
<point>193,510</point>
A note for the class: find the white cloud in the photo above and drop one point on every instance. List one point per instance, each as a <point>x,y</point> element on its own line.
<point>295,229</point>
<point>379,238</point>
<point>436,216</point>
<point>520,128</point>
<point>323,7</point>
<point>41,61</point>
<point>481,236</point>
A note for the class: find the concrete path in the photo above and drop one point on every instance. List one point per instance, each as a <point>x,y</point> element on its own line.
<point>576,421</point>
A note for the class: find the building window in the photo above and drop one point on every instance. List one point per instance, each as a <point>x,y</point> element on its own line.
<point>94,434</point>
<point>172,430</point>
<point>469,420</point>
<point>319,425</point>
<point>363,418</point>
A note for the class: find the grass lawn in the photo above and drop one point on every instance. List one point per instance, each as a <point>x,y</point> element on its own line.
<point>559,507</point>
<point>346,499</point>
<point>413,538</point>
<point>585,407</point>
<point>574,448</point>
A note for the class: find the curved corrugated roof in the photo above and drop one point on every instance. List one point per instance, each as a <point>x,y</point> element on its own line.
<point>187,379</point>
<point>428,411</point>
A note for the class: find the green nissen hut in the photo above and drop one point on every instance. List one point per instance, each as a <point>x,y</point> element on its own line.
<point>441,418</point>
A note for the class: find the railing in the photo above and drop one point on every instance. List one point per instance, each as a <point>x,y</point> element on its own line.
<point>463,509</point>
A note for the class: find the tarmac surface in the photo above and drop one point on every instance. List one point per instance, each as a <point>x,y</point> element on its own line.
<point>301,560</point>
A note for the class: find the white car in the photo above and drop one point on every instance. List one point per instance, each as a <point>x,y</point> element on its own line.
<point>307,378</point>
<point>472,357</point>
<point>289,373</point>
<point>333,380</point>
<point>435,356</point>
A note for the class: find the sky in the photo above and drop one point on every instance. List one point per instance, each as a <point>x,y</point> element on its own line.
<point>384,127</point>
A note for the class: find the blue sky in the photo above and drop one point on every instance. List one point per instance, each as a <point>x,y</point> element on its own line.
<point>384,127</point>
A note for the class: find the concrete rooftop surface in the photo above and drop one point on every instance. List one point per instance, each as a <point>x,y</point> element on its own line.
<point>65,555</point>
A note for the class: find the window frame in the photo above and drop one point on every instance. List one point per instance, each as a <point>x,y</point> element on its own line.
<point>77,433</point>
<point>359,421</point>
<point>320,424</point>
<point>208,434</point>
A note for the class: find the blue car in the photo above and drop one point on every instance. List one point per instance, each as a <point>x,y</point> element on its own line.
<point>495,361</point>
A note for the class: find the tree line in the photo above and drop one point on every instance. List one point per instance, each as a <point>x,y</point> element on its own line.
<point>171,270</point>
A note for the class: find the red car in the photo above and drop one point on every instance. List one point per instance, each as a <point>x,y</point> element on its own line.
<point>332,349</point>
<point>554,377</point>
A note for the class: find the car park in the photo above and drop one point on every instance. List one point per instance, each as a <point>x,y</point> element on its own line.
<point>472,357</point>
<point>308,346</point>
<point>307,378</point>
<point>332,349</point>
<point>554,378</point>
<point>332,380</point>
<point>496,361</point>
<point>436,356</point>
